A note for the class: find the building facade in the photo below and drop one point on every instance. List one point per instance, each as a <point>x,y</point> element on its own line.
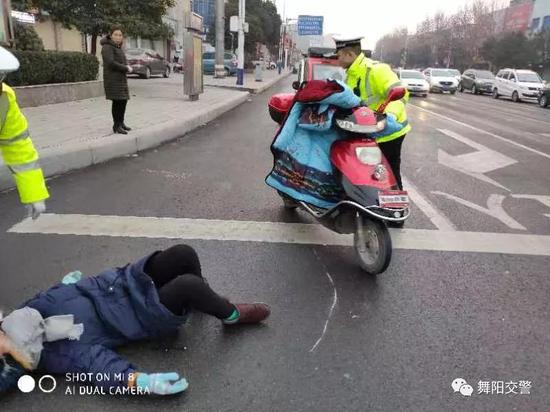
<point>518,15</point>
<point>540,19</point>
<point>207,9</point>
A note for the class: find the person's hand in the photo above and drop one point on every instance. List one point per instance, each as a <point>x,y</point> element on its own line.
<point>35,209</point>
<point>162,383</point>
<point>130,70</point>
<point>7,348</point>
<point>5,344</point>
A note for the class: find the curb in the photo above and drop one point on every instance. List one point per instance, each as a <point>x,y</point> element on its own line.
<point>252,90</point>
<point>78,155</point>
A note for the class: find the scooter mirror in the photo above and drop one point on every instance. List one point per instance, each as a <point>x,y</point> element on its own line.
<point>296,85</point>
<point>397,93</point>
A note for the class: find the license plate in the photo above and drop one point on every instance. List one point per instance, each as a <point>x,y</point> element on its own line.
<point>393,199</point>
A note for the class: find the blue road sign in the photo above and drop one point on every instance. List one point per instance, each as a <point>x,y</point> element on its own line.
<point>310,25</point>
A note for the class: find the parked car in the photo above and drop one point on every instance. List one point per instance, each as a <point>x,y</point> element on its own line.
<point>517,84</point>
<point>414,81</point>
<point>441,80</point>
<point>544,96</point>
<point>456,74</point>
<point>477,81</point>
<point>230,63</point>
<point>147,63</point>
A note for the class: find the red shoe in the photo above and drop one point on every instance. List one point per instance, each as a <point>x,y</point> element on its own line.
<point>251,313</point>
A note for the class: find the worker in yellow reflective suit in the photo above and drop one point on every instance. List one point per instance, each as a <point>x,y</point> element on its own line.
<point>372,82</point>
<point>16,146</point>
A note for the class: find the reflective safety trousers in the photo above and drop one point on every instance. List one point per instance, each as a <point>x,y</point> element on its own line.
<point>372,82</point>
<point>18,150</point>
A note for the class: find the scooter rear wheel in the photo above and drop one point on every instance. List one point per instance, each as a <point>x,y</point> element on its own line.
<point>288,203</point>
<point>373,245</point>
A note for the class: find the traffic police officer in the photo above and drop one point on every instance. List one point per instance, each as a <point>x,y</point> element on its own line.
<point>372,82</point>
<point>16,146</point>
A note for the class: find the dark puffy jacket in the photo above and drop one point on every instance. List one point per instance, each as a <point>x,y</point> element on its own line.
<point>115,68</point>
<point>116,307</point>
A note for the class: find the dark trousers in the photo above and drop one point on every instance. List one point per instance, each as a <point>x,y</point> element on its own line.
<point>177,275</point>
<point>392,153</point>
<point>119,110</point>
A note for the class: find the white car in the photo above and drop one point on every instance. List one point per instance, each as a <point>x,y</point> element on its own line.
<point>441,80</point>
<point>414,81</point>
<point>518,85</point>
<point>456,74</point>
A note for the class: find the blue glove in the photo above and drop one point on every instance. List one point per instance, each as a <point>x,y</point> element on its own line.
<point>162,383</point>
<point>71,278</point>
<point>392,126</point>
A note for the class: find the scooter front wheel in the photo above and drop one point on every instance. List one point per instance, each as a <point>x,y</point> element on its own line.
<point>373,245</point>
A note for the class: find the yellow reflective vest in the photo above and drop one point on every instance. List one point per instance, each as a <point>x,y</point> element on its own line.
<point>372,82</point>
<point>18,150</point>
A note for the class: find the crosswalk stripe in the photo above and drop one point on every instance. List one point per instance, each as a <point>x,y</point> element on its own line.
<point>276,232</point>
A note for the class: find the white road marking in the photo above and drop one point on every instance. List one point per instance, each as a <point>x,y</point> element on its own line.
<point>494,209</point>
<point>435,216</point>
<point>331,311</point>
<point>477,129</point>
<point>545,134</point>
<point>475,164</point>
<point>270,232</point>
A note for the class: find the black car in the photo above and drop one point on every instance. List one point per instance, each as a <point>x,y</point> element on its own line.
<point>477,81</point>
<point>146,63</point>
<point>544,96</point>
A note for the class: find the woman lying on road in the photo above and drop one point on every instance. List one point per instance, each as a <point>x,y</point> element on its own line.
<point>74,326</point>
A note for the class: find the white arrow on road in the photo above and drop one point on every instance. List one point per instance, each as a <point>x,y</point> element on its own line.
<point>475,164</point>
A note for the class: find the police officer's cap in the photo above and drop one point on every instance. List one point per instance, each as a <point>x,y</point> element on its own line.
<point>343,42</point>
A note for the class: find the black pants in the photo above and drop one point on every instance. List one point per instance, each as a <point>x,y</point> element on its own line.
<point>178,278</point>
<point>119,110</point>
<point>392,152</point>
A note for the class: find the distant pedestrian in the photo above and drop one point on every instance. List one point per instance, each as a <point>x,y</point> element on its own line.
<point>115,68</point>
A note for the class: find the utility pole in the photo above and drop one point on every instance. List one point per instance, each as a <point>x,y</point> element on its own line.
<point>219,69</point>
<point>406,52</point>
<point>242,16</point>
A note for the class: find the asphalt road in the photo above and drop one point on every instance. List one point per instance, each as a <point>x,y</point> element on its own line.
<point>392,343</point>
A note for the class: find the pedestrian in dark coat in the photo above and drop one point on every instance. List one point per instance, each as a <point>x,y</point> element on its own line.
<point>76,326</point>
<point>115,69</point>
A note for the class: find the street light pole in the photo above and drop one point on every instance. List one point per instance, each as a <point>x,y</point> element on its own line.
<point>219,69</point>
<point>242,16</point>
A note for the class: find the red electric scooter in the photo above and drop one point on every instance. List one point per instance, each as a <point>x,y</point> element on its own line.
<point>372,197</point>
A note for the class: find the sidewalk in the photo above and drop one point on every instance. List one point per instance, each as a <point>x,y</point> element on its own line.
<point>270,77</point>
<point>79,134</point>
